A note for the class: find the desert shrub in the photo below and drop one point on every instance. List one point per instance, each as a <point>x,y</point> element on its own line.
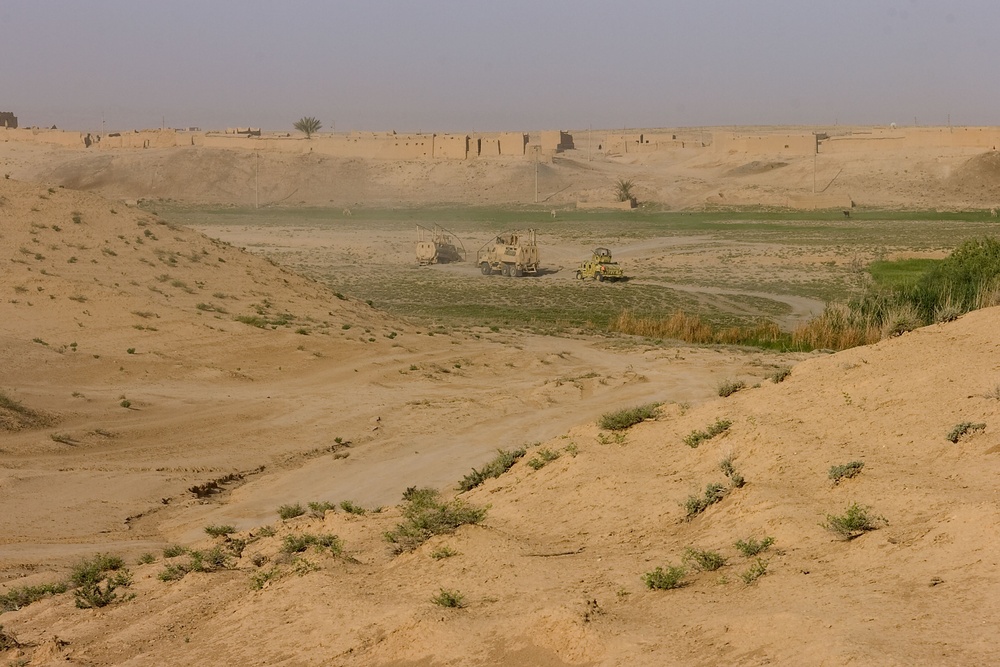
<point>955,434</point>
<point>87,578</point>
<point>695,438</point>
<point>427,515</point>
<point>756,570</point>
<point>662,580</point>
<point>500,464</point>
<point>856,521</point>
<point>704,560</point>
<point>443,552</point>
<point>172,572</point>
<point>845,471</point>
<point>146,559</point>
<point>259,579</point>
<point>621,420</point>
<point>780,375</point>
<point>323,542</point>
<point>695,504</point>
<point>219,531</point>
<point>8,641</point>
<point>208,561</point>
<point>352,508</point>
<point>22,596</point>
<point>736,480</point>
<point>291,511</point>
<point>751,546</point>
<point>174,550</point>
<point>730,387</point>
<point>319,509</point>
<point>543,457</point>
<point>447,598</point>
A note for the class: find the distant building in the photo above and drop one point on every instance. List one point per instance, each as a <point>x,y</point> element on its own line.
<point>7,119</point>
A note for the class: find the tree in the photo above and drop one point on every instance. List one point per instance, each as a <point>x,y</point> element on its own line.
<point>308,125</point>
<point>623,189</point>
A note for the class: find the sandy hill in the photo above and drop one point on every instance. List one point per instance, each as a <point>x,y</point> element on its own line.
<point>676,179</point>
<point>128,380</point>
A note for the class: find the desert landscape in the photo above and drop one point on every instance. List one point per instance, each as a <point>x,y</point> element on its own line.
<point>240,423</point>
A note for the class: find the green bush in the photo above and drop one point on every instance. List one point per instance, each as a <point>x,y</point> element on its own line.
<point>173,550</point>
<point>704,560</point>
<point>695,438</point>
<point>291,511</point>
<point>446,598</point>
<point>503,462</point>
<point>756,570</point>
<point>352,508</point>
<point>963,429</point>
<point>22,596</point>
<point>319,509</point>
<point>661,580</point>
<point>443,552</point>
<point>543,457</point>
<point>751,546</point>
<point>780,375</point>
<point>856,521</point>
<point>695,504</point>
<point>88,576</point>
<point>845,471</point>
<point>322,542</point>
<point>730,387</point>
<point>219,531</point>
<point>623,419</point>
<point>427,515</point>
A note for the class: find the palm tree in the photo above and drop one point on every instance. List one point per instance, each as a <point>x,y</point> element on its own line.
<point>308,125</point>
<point>623,189</point>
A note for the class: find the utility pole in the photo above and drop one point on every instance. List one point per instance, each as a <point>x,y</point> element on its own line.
<point>590,141</point>
<point>814,173</point>
<point>256,180</point>
<point>536,176</point>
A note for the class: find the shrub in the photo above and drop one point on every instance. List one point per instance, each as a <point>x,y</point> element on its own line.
<point>736,480</point>
<point>322,542</point>
<point>780,375</point>
<point>8,641</point>
<point>146,559</point>
<point>503,462</point>
<point>757,570</point>
<point>291,511</point>
<point>427,515</point>
<point>88,576</point>
<point>752,546</point>
<point>662,580</point>
<point>704,560</point>
<point>621,420</point>
<point>319,509</point>
<point>443,552</point>
<point>730,387</point>
<point>962,429</point>
<point>220,531</point>
<point>174,550</point>
<point>545,455</point>
<point>22,596</point>
<point>446,598</point>
<point>856,521</point>
<point>695,504</point>
<point>172,572</point>
<point>352,508</point>
<point>695,438</point>
<point>845,471</point>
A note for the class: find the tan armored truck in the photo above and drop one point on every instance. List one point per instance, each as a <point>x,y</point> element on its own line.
<point>438,246</point>
<point>513,254</point>
<point>600,267</point>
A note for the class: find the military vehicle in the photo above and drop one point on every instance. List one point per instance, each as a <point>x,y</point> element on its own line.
<point>438,245</point>
<point>513,254</point>
<point>600,267</point>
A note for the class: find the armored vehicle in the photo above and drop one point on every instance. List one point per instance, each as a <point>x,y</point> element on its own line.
<point>600,267</point>
<point>512,254</point>
<point>438,245</point>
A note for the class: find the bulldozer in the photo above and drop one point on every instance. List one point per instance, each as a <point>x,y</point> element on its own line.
<point>438,246</point>
<point>512,254</point>
<point>600,267</point>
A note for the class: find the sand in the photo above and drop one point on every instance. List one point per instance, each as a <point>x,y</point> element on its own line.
<point>142,385</point>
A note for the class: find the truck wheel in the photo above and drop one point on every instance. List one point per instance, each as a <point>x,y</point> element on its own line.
<point>600,277</point>
<point>517,272</point>
<point>485,268</point>
<point>505,270</point>
<point>579,276</point>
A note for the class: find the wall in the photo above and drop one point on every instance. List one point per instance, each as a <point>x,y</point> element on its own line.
<point>512,143</point>
<point>765,143</point>
<point>8,119</point>
<point>555,141</point>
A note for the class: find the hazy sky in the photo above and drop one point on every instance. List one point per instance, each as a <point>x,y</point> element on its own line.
<point>441,65</point>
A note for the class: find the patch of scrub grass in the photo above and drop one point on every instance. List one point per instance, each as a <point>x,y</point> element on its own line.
<point>751,546</point>
<point>219,531</point>
<point>730,387</point>
<point>22,596</point>
<point>353,508</point>
<point>427,515</point>
<point>703,559</point>
<point>780,375</point>
<point>291,511</point>
<point>97,579</point>
<point>963,429</point>
<point>443,552</point>
<point>319,509</point>
<point>845,471</point>
<point>501,463</point>
<point>695,438</point>
<point>174,550</point>
<point>622,420</point>
<point>446,598</point>
<point>856,521</point>
<point>665,579</point>
<point>297,543</point>
<point>543,458</point>
<point>756,570</point>
<point>696,504</point>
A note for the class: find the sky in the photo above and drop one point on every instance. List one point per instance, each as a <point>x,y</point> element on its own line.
<point>498,65</point>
